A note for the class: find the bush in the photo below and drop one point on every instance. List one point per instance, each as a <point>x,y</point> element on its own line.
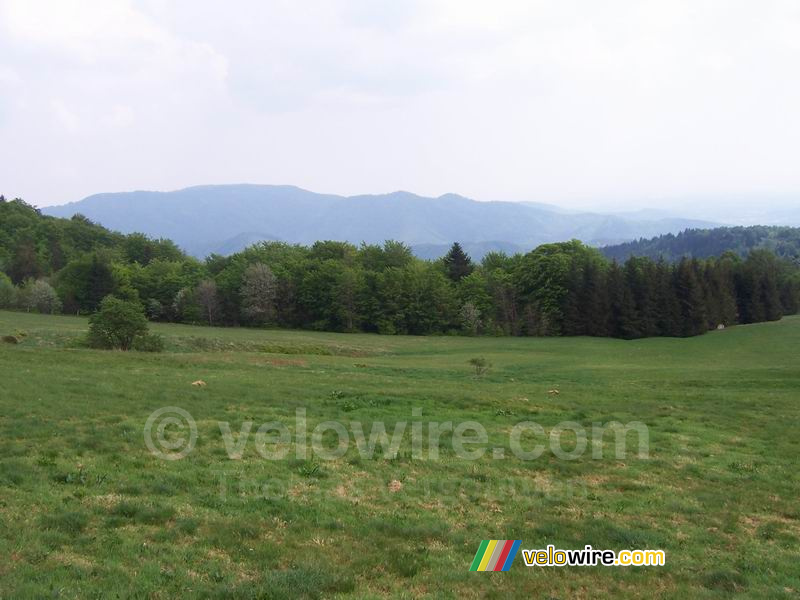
<point>117,324</point>
<point>149,342</point>
<point>8,293</point>
<point>481,366</point>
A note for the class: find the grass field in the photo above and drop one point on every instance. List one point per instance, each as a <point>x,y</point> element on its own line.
<point>86,511</point>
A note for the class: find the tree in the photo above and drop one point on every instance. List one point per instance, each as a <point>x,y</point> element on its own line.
<point>161,280</point>
<point>668,316</point>
<point>457,263</point>
<point>377,258</point>
<point>543,279</point>
<point>185,307</point>
<point>765,264</point>
<point>428,301</point>
<point>38,295</point>
<point>593,299</point>
<point>470,316</point>
<point>259,288</point>
<point>349,287</point>
<point>504,298</point>
<point>117,324</point>
<point>622,319</point>
<point>154,309</point>
<point>208,299</point>
<point>100,282</point>
<point>474,289</point>
<point>8,293</point>
<point>691,301</point>
<point>25,263</point>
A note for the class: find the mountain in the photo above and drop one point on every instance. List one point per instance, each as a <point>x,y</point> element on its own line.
<point>226,218</point>
<point>703,243</point>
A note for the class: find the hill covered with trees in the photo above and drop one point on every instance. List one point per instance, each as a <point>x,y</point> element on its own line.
<point>566,288</point>
<point>705,243</point>
<point>223,219</point>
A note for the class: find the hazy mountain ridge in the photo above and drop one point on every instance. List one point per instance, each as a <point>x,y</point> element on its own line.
<point>226,218</point>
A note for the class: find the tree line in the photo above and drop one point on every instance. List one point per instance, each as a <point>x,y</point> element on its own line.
<point>71,265</point>
<point>706,243</point>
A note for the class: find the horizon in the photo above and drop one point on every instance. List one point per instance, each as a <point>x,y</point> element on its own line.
<point>737,210</point>
<point>617,108</point>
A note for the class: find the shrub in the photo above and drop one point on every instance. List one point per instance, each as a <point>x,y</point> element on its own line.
<point>149,342</point>
<point>8,293</point>
<point>481,366</point>
<point>117,324</point>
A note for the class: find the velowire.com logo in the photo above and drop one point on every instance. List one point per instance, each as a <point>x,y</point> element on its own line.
<point>495,555</point>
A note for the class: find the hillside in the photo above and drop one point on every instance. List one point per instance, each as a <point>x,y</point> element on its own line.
<point>226,218</point>
<point>33,245</point>
<point>90,507</point>
<point>705,243</point>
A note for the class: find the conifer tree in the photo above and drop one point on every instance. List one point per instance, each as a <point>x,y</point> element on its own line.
<point>691,300</point>
<point>622,310</point>
<point>457,263</point>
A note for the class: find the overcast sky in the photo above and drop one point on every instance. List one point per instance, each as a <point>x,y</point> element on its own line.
<point>588,103</point>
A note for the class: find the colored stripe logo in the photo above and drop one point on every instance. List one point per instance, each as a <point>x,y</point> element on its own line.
<point>495,555</point>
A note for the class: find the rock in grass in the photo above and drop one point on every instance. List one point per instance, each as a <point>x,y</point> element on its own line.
<point>10,339</point>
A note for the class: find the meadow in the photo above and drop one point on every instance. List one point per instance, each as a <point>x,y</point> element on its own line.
<point>87,511</point>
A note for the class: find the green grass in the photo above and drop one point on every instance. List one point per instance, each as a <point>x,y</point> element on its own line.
<point>87,512</point>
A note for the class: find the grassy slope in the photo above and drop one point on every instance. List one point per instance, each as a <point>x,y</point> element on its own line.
<point>719,492</point>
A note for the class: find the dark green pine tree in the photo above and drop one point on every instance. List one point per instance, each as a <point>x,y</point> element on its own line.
<point>691,299</point>
<point>100,282</point>
<point>724,274</point>
<point>622,318</point>
<point>573,303</point>
<point>641,291</point>
<point>594,300</point>
<point>748,300</point>
<point>767,269</point>
<point>667,310</point>
<point>457,263</point>
<point>757,292</point>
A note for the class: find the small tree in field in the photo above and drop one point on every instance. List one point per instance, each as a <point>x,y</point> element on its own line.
<point>117,324</point>
<point>481,366</point>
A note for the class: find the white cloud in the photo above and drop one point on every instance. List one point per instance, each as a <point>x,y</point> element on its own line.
<point>569,101</point>
<point>64,116</point>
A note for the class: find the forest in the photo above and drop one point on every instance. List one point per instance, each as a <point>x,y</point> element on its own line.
<point>54,265</point>
<point>705,243</point>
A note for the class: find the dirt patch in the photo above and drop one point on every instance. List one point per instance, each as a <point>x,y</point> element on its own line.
<point>287,362</point>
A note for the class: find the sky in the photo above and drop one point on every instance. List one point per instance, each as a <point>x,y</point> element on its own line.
<point>673,104</point>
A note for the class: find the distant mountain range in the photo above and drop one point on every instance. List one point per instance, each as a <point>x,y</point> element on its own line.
<point>227,218</point>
